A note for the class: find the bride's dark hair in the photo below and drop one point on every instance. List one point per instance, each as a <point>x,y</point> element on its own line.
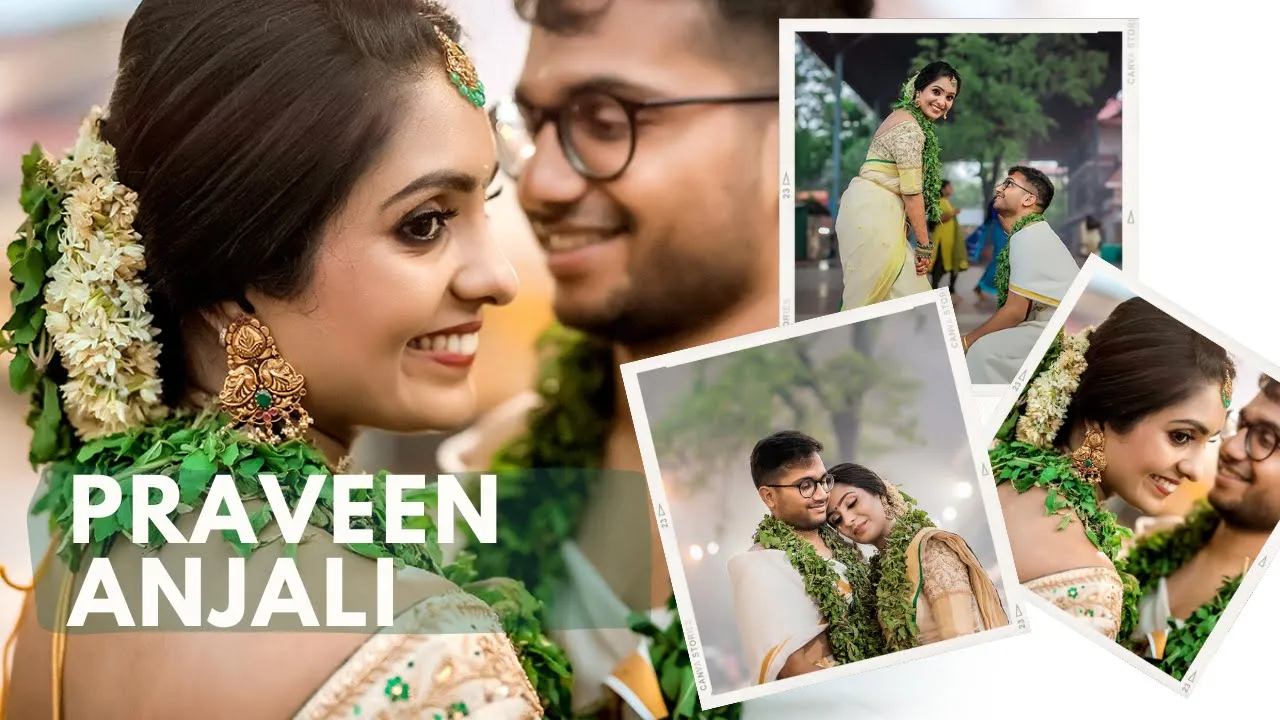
<point>934,70</point>
<point>243,125</point>
<point>1140,361</point>
<point>858,476</point>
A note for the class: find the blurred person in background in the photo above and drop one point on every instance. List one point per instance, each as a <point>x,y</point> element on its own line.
<point>274,237</point>
<point>951,256</point>
<point>626,135</point>
<point>1188,573</point>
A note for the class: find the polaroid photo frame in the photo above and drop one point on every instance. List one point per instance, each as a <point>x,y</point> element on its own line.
<point>1123,216</point>
<point>1097,271</point>
<point>972,447</point>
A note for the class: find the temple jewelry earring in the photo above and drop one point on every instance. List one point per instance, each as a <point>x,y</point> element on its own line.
<point>1089,460</point>
<point>1226,391</point>
<point>462,73</point>
<point>262,392</point>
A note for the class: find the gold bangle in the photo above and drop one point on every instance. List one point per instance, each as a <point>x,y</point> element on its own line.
<point>964,340</point>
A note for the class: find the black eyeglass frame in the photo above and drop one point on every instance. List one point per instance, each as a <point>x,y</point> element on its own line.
<point>631,108</point>
<point>1240,425</point>
<point>826,480</point>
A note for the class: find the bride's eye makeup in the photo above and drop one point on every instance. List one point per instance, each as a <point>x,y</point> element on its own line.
<point>423,226</point>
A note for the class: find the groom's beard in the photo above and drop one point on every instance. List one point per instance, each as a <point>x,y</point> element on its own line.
<point>803,523</point>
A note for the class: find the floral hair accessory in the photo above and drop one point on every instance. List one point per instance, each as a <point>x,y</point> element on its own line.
<point>909,89</point>
<point>462,72</point>
<point>1050,393</point>
<point>79,300</point>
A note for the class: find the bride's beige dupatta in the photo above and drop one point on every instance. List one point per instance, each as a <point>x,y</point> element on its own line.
<point>953,612</point>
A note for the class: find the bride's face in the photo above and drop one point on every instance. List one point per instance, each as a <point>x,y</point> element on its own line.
<point>857,514</point>
<point>937,98</point>
<point>385,333</point>
<point>1148,463</point>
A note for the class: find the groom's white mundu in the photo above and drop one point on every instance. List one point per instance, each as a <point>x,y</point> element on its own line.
<point>1041,269</point>
<point>776,617</point>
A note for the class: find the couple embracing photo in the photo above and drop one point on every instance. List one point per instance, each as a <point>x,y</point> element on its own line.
<point>806,595</point>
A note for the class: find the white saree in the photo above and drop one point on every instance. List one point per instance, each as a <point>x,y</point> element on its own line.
<point>1041,269</point>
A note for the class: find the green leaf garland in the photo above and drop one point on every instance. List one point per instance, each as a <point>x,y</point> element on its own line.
<point>1002,261</point>
<point>1026,466</point>
<point>35,367</point>
<point>566,435</point>
<point>851,626</point>
<point>1183,644</point>
<point>1158,556</point>
<point>930,160</point>
<point>895,595</point>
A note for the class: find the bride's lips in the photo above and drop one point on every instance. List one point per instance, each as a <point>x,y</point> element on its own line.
<point>452,347</point>
<point>1164,485</point>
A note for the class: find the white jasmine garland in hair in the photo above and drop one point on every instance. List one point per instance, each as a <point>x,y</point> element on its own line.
<point>1049,395</point>
<point>95,301</point>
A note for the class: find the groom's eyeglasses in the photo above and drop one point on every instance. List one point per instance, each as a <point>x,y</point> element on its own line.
<point>808,485</point>
<point>1009,181</point>
<point>596,129</point>
<point>1260,438</point>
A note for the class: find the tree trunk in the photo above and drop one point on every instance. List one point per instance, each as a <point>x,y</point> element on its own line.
<point>847,423</point>
<point>989,182</point>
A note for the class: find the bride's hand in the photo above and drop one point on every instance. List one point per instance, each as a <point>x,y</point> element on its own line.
<point>922,265</point>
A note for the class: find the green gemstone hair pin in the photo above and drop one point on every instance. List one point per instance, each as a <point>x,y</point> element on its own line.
<point>1226,392</point>
<point>461,71</point>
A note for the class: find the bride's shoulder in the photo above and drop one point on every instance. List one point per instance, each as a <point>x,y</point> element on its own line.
<point>1042,544</point>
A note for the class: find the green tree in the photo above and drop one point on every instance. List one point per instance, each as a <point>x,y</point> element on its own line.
<point>1007,80</point>
<point>814,109</point>
<point>737,400</point>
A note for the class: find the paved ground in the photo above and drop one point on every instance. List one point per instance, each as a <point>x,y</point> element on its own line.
<point>819,285</point>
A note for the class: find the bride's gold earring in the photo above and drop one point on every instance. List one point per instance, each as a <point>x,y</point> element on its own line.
<point>262,392</point>
<point>1090,459</point>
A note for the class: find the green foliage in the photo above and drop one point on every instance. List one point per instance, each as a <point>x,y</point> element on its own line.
<point>1183,643</point>
<point>931,161</point>
<point>558,457</point>
<point>895,595</point>
<point>815,137</point>
<point>1026,466</point>
<point>35,367</point>
<point>851,627</point>
<point>1007,81</point>
<point>739,399</point>
<point>1002,262</point>
<point>1158,556</point>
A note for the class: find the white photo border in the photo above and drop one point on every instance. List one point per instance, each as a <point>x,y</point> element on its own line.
<point>1094,267</point>
<point>940,300</point>
<point>789,27</point>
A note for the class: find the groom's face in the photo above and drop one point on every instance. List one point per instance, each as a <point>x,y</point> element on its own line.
<point>690,221</point>
<point>788,502</point>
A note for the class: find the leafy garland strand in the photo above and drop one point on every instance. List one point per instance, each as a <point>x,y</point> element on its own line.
<point>1159,556</point>
<point>1002,261</point>
<point>562,446</point>
<point>851,628</point>
<point>1027,466</point>
<point>930,159</point>
<point>895,596</point>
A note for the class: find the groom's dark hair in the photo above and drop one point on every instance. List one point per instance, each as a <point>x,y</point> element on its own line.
<point>1040,184</point>
<point>783,449</point>
<point>745,31</point>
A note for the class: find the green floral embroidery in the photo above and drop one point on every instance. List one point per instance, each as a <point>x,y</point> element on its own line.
<point>397,689</point>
